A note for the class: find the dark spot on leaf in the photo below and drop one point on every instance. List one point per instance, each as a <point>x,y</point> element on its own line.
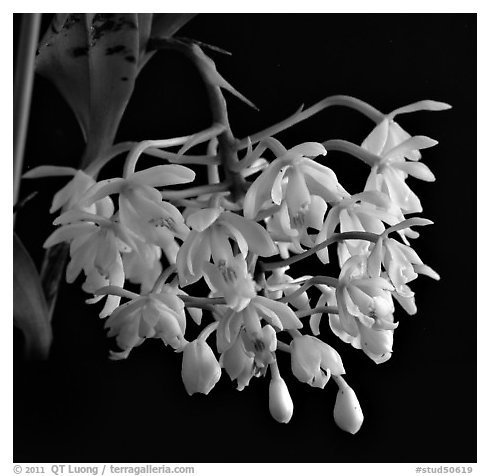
<point>79,51</point>
<point>103,16</point>
<point>124,78</point>
<point>114,49</point>
<point>103,23</point>
<point>72,19</point>
<point>130,59</point>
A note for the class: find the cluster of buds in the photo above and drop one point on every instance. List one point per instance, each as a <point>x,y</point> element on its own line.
<point>140,230</point>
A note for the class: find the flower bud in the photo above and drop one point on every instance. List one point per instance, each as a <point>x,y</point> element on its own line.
<point>200,369</point>
<point>280,402</point>
<point>347,412</point>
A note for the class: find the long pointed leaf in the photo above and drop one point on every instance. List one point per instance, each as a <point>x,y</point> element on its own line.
<point>62,58</point>
<point>30,308</point>
<point>113,66</point>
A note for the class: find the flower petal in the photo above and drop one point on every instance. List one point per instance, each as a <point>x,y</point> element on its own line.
<point>276,190</point>
<point>375,197</point>
<point>162,175</point>
<point>49,171</point>
<point>424,269</point>
<point>202,219</point>
<point>297,193</point>
<point>417,170</point>
<point>414,143</point>
<point>376,140</point>
<point>308,149</point>
<point>68,233</point>
<point>103,189</point>
<point>259,241</point>
<point>260,190</point>
<point>288,318</point>
<point>425,105</point>
<point>315,215</point>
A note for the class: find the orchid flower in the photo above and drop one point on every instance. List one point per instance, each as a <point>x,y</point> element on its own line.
<point>365,211</point>
<point>200,369</point>
<point>394,146</point>
<point>284,228</point>
<point>142,264</point>
<point>141,208</point>
<point>96,244</point>
<point>365,305</point>
<point>256,338</point>
<point>71,194</point>
<point>238,363</point>
<point>402,264</point>
<point>212,229</point>
<point>313,361</point>
<point>154,315</point>
<point>293,178</point>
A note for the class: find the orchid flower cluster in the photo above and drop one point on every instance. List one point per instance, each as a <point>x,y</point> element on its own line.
<point>266,207</point>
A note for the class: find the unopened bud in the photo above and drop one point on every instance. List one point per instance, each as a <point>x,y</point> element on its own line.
<point>347,412</point>
<point>280,402</point>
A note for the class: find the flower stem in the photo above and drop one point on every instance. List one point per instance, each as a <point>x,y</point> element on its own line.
<point>226,140</point>
<point>322,309</point>
<point>202,303</point>
<point>338,100</point>
<point>353,149</point>
<point>195,191</point>
<point>208,330</point>
<point>24,80</point>
<point>275,370</point>
<point>283,346</point>
<point>164,275</point>
<point>116,291</point>
<point>349,235</point>
<point>268,143</point>
<point>140,147</point>
<point>212,167</point>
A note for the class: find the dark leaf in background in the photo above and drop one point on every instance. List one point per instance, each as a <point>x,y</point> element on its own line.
<point>30,308</point>
<point>94,59</point>
<point>165,25</point>
<point>113,56</point>
<point>62,58</point>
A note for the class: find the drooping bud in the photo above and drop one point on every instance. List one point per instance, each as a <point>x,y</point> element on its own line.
<point>280,402</point>
<point>200,369</point>
<point>347,412</point>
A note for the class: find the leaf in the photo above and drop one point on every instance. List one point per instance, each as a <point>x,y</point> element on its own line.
<point>62,58</point>
<point>93,59</point>
<point>30,308</point>
<point>113,57</point>
<point>163,25</point>
<point>166,25</point>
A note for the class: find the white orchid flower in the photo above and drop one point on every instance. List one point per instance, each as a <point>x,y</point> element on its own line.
<point>293,178</point>
<point>394,146</point>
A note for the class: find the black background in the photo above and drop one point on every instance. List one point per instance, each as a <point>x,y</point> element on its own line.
<point>420,406</point>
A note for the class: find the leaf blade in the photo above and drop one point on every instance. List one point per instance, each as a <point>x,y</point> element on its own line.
<point>30,308</point>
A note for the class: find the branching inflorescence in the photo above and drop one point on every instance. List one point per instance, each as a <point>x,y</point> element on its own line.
<point>243,233</point>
